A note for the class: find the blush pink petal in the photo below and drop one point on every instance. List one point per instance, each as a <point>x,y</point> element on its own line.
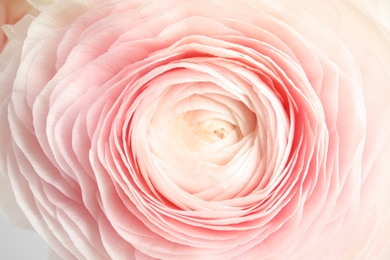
<point>193,129</point>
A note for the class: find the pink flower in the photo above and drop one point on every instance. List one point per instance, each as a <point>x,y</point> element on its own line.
<point>198,129</point>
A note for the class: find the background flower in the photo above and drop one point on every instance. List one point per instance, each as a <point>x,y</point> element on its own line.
<point>197,128</point>
<point>11,11</point>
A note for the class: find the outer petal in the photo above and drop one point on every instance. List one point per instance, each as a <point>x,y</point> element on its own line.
<point>369,44</point>
<point>8,63</point>
<point>378,10</point>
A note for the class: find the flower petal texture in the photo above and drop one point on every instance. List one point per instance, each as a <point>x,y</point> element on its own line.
<point>190,129</point>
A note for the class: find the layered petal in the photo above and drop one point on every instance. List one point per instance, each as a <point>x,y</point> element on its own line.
<point>193,129</point>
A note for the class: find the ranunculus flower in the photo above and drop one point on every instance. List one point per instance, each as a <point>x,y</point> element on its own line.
<point>190,129</point>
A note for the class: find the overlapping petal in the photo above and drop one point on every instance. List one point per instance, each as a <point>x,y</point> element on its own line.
<point>194,128</point>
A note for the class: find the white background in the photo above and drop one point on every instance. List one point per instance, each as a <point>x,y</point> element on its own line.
<point>19,244</point>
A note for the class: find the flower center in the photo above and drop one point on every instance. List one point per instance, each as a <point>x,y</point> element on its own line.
<point>221,133</point>
<point>199,137</point>
<point>213,130</point>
